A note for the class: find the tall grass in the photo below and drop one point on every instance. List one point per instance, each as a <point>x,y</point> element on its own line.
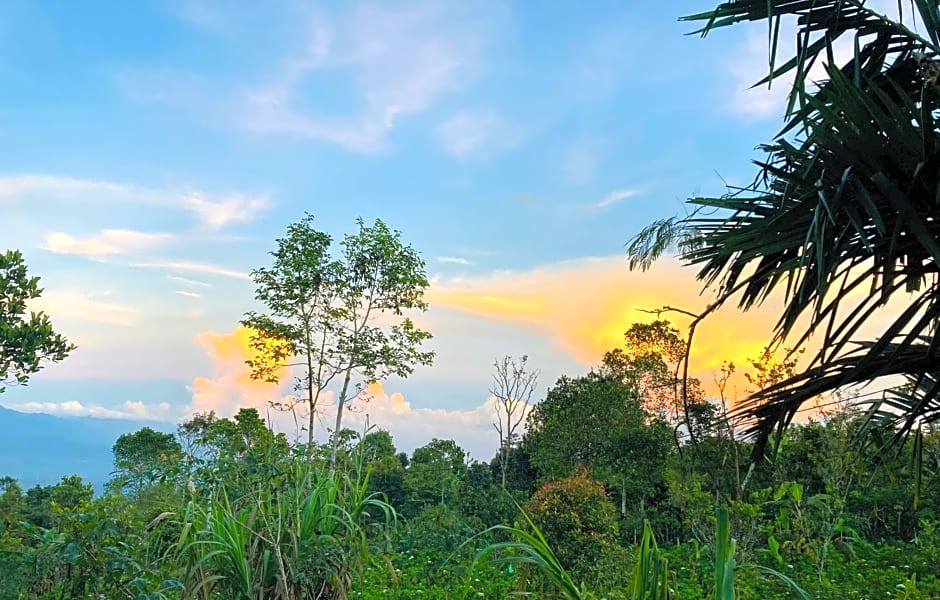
<point>532,548</point>
<point>652,577</point>
<point>305,535</point>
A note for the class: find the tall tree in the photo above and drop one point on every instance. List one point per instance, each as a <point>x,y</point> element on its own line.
<point>650,359</point>
<point>299,290</point>
<point>434,473</point>
<point>378,278</point>
<point>770,370</point>
<point>513,386</point>
<point>842,217</point>
<point>342,317</point>
<point>377,445</point>
<point>12,503</point>
<point>25,341</point>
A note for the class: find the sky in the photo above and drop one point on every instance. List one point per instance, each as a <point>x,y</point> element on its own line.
<point>151,153</point>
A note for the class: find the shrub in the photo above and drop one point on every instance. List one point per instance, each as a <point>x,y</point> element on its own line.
<point>581,525</point>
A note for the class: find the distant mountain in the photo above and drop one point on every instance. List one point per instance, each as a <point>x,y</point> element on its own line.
<point>40,448</point>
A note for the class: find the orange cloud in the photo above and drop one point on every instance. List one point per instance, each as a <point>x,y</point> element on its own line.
<point>231,386</point>
<point>586,305</point>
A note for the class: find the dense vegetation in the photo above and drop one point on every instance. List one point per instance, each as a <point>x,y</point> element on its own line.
<point>226,508</point>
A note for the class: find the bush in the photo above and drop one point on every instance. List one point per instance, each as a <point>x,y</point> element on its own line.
<point>581,525</point>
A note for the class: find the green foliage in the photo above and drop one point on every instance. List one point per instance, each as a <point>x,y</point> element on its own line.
<point>652,577</point>
<point>530,546</point>
<point>434,558</point>
<point>141,457</point>
<point>483,501</point>
<point>377,446</point>
<point>12,507</point>
<point>25,341</point>
<point>379,276</point>
<point>522,476</point>
<point>628,452</point>
<point>298,291</point>
<point>724,558</point>
<point>304,534</point>
<point>649,360</point>
<point>434,475</point>
<point>388,478</point>
<point>580,522</point>
<point>246,513</point>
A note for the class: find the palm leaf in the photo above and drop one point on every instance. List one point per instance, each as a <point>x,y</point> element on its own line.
<point>843,217</point>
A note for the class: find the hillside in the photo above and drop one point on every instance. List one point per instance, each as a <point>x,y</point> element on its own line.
<point>40,448</point>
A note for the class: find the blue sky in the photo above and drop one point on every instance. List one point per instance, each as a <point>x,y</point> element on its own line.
<point>153,151</point>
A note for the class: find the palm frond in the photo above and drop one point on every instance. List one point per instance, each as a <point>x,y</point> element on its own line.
<point>844,216</point>
<point>653,241</point>
<point>898,412</point>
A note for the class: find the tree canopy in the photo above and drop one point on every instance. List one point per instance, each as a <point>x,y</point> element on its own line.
<point>597,422</point>
<point>341,315</point>
<point>26,339</point>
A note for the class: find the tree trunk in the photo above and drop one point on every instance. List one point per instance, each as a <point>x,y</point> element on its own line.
<point>312,406</point>
<point>623,498</point>
<point>339,416</point>
<point>505,464</point>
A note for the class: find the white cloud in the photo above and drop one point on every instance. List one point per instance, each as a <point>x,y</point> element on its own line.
<point>189,282</point>
<point>163,411</point>
<point>212,212</point>
<point>86,306</point>
<point>184,266</point>
<point>612,198</point>
<point>188,294</point>
<point>216,214</point>
<point>471,428</point>
<point>454,260</point>
<point>477,135</point>
<point>108,242</point>
<point>750,64</point>
<point>749,67</point>
<point>13,187</point>
<point>395,61</point>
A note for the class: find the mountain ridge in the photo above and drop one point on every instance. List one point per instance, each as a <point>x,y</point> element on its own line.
<point>39,448</point>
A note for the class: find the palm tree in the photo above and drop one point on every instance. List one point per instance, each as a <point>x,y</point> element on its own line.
<point>844,214</point>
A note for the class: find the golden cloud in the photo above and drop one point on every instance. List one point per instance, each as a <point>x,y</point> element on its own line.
<point>586,305</point>
<point>231,387</point>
